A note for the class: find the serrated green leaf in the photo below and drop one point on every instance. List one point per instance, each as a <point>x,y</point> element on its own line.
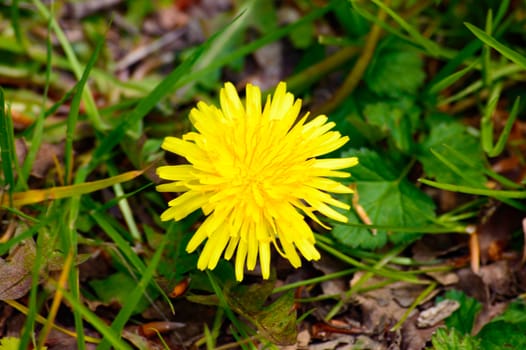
<point>395,72</point>
<point>116,288</point>
<point>349,121</point>
<point>515,312</point>
<point>451,339</point>
<point>452,142</point>
<point>502,335</point>
<point>507,330</point>
<point>396,119</point>
<point>464,318</point>
<point>355,237</point>
<point>388,198</point>
<point>276,322</point>
<point>249,298</point>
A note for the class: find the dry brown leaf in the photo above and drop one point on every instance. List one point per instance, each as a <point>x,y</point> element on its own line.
<point>16,271</point>
<point>437,313</point>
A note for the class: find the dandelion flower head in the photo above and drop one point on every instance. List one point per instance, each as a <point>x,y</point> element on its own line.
<point>253,172</point>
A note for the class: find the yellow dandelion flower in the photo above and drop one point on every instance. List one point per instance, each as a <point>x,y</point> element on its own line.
<point>253,172</point>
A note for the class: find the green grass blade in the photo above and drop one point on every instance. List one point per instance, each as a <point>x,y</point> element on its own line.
<point>70,243</point>
<point>396,275</point>
<point>463,158</point>
<point>314,280</point>
<point>405,229</point>
<point>124,206</point>
<point>209,339</point>
<point>113,338</point>
<point>504,181</point>
<point>240,22</point>
<point>510,54</point>
<point>459,172</point>
<point>451,79</point>
<point>29,325</point>
<point>15,22</point>
<point>503,138</point>
<point>486,122</point>
<point>429,45</point>
<point>439,51</point>
<point>271,37</point>
<point>38,126</point>
<point>131,302</point>
<point>123,246</point>
<point>74,112</point>
<point>116,237</point>
<point>462,57</point>
<point>421,297</point>
<point>7,145</point>
<point>144,106</point>
<point>115,201</point>
<point>223,303</point>
<point>73,280</point>
<point>501,11</point>
<point>501,72</point>
<point>473,190</point>
<point>30,232</point>
<point>75,66</point>
<point>385,259</point>
<point>486,52</point>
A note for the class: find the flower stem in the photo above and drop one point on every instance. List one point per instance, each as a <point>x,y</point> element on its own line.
<point>358,70</point>
<point>322,68</point>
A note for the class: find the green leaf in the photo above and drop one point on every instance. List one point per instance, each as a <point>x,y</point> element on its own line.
<point>502,335</point>
<point>276,322</point>
<point>506,331</point>
<point>359,237</point>
<point>396,119</point>
<point>388,198</point>
<point>464,318</point>
<point>451,339</point>
<point>74,64</point>
<point>135,295</point>
<point>395,70</point>
<point>350,122</point>
<point>263,16</point>
<point>515,312</point>
<point>116,288</point>
<point>302,36</point>
<point>465,160</point>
